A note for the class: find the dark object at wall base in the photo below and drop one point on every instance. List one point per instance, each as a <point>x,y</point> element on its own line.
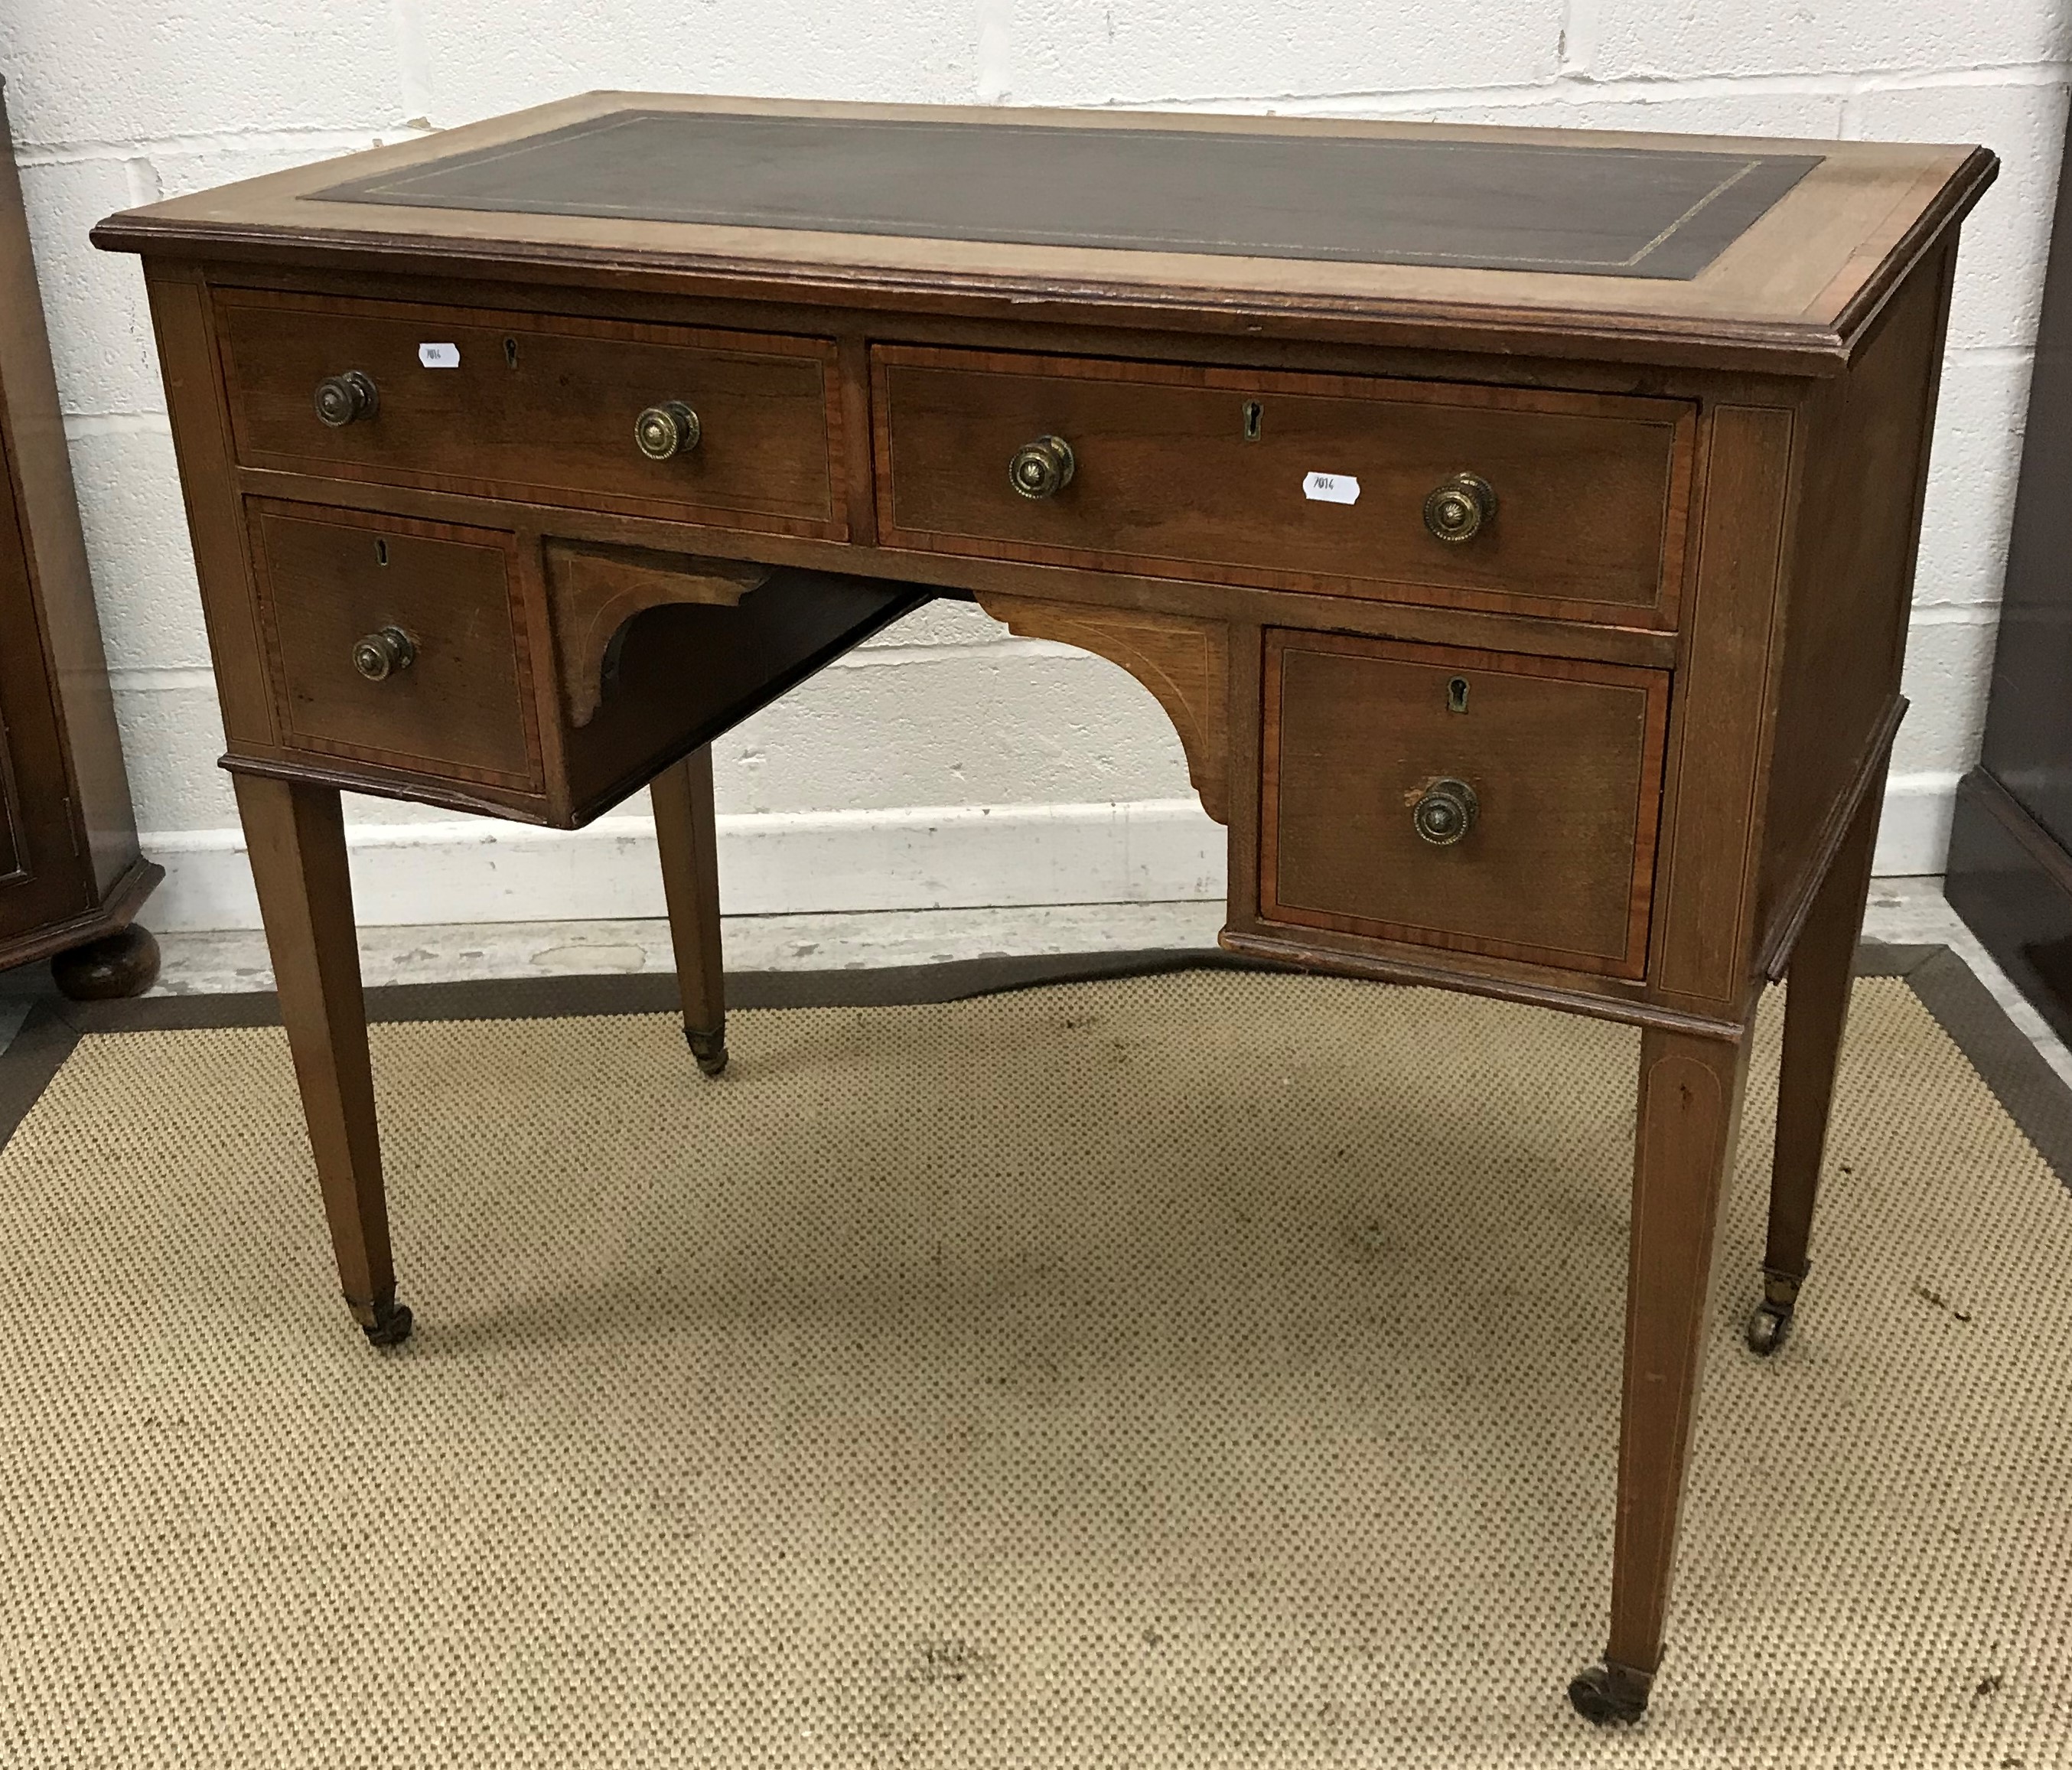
<point>125,963</point>
<point>67,835</point>
<point>2012,883</point>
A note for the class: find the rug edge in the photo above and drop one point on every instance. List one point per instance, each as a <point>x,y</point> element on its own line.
<point>2028,1090</point>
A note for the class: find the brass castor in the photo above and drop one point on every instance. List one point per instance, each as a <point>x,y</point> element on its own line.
<point>391,1326</point>
<point>709,1048</point>
<point>125,963</point>
<point>1771,1322</point>
<point>1767,1327</point>
<point>1610,1693</point>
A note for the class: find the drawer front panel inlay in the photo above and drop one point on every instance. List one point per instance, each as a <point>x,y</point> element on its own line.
<point>543,409</point>
<point>460,707</point>
<point>1478,801</point>
<point>1211,473</point>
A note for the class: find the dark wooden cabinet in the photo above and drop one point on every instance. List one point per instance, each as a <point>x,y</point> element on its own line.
<point>2010,867</point>
<point>71,876</point>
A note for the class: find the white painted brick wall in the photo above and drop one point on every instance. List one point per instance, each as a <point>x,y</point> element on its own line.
<point>117,102</point>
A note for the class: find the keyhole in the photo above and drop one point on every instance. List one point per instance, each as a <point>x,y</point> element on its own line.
<point>510,353</point>
<point>1456,695</point>
<point>380,552</point>
<point>1251,416</point>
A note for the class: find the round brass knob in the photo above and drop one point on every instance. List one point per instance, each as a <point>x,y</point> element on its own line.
<point>1445,812</point>
<point>381,655</point>
<point>1456,511</point>
<point>671,428</point>
<point>1041,469</point>
<point>346,399</point>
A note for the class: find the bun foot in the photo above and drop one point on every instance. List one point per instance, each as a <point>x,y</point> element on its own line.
<point>1610,1693</point>
<point>391,1325</point>
<point>709,1048</point>
<point>1772,1318</point>
<point>125,963</point>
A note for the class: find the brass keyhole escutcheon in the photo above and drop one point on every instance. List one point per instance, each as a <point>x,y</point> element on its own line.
<point>385,653</point>
<point>1253,411</point>
<point>1457,510</point>
<point>1041,469</point>
<point>347,398</point>
<point>671,428</point>
<point>1444,812</point>
<point>1456,695</point>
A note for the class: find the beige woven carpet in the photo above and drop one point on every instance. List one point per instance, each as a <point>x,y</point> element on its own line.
<point>1201,1370</point>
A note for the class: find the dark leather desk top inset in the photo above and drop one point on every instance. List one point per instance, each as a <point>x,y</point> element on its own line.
<point>1494,206</point>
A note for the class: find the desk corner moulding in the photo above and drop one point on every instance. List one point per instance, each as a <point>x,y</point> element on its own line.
<point>1518,531</point>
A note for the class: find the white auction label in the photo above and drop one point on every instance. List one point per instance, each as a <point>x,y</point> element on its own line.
<point>439,355</point>
<point>1330,487</point>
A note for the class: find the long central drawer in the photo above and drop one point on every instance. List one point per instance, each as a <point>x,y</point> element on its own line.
<point>1574,506</point>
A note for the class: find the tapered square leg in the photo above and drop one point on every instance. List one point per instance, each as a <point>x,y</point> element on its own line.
<point>1689,1120</point>
<point>296,834</point>
<point>1816,1013</point>
<point>685,834</point>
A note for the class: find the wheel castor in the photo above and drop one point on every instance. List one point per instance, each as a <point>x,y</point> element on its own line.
<point>1771,1321</point>
<point>391,1325</point>
<point>709,1048</point>
<point>125,963</point>
<point>1767,1327</point>
<point>1610,1693</point>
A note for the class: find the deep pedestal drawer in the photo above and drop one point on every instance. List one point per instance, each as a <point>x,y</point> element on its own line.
<point>1475,801</point>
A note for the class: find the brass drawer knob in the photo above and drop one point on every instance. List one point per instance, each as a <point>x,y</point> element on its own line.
<point>671,428</point>
<point>1445,812</point>
<point>347,398</point>
<point>381,655</point>
<point>1457,510</point>
<point>1041,469</point>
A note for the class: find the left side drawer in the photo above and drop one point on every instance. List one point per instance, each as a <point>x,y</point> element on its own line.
<point>540,409</point>
<point>397,643</point>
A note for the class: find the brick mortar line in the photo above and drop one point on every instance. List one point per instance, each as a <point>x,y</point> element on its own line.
<point>1566,86</point>
<point>1646,88</point>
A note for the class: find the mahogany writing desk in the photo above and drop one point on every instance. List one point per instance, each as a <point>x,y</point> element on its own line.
<point>1518,527</point>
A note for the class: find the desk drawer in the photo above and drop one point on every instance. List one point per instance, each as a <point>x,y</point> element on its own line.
<point>1201,473</point>
<point>538,408</point>
<point>1547,855</point>
<point>446,691</point>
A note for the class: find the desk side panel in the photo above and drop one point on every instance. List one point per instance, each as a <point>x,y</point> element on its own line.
<point>1850,591</point>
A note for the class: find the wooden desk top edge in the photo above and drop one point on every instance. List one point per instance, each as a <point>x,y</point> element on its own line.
<point>1794,293</point>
